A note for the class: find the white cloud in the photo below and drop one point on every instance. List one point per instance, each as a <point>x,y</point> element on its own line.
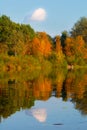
<point>38,15</point>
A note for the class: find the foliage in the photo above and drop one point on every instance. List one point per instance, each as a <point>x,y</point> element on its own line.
<point>20,41</point>
<point>14,35</point>
<point>80,28</point>
<point>41,45</point>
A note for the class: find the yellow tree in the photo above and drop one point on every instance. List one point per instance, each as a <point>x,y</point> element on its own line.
<point>59,51</point>
<point>69,49</point>
<point>58,47</point>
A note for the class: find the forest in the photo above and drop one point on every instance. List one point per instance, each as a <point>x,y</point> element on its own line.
<point>21,48</point>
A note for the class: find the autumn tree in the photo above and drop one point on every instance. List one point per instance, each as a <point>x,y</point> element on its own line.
<point>68,47</point>
<point>41,44</point>
<point>75,50</point>
<point>59,50</point>
<point>58,45</point>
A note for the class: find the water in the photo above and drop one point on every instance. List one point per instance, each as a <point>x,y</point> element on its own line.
<point>56,101</point>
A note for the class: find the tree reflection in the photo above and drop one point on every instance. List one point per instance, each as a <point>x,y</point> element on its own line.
<point>18,93</point>
<point>76,88</point>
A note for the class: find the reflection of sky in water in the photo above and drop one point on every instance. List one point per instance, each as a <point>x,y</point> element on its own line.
<point>44,114</point>
<point>38,113</point>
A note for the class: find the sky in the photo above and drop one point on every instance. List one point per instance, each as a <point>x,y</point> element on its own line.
<point>50,16</point>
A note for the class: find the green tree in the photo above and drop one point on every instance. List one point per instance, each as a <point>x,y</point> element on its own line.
<point>5,28</point>
<point>80,28</point>
<point>13,36</point>
<point>63,38</point>
<point>27,32</point>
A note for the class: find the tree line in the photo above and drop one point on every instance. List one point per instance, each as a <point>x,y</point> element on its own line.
<point>20,40</point>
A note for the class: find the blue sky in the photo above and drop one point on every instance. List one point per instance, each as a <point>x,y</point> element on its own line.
<point>51,16</point>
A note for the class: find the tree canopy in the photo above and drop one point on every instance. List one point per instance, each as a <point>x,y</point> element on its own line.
<point>80,28</point>
<point>21,39</point>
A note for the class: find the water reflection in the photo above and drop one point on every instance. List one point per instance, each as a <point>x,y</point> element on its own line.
<point>38,113</point>
<point>17,92</point>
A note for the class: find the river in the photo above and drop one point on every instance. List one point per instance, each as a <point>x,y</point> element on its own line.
<point>38,102</point>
